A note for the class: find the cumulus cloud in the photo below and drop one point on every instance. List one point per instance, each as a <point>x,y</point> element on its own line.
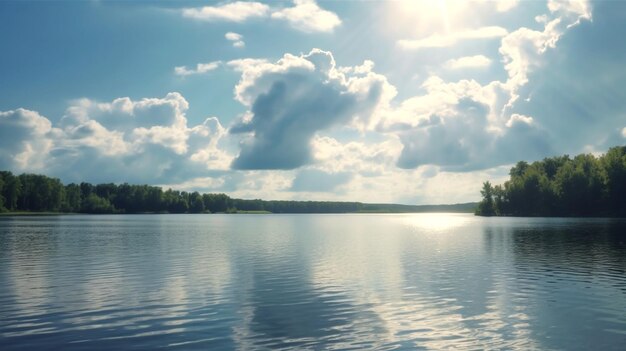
<point>25,139</point>
<point>446,40</point>
<point>238,11</point>
<point>151,127</point>
<point>477,61</point>
<point>201,68</point>
<point>464,140</point>
<point>293,99</point>
<point>459,127</point>
<point>236,39</point>
<point>465,125</point>
<point>523,48</point>
<point>203,143</point>
<point>307,16</point>
<point>124,140</point>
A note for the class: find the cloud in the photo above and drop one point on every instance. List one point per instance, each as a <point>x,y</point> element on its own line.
<point>293,99</point>
<point>232,36</point>
<point>506,5</point>
<point>238,11</point>
<point>458,126</point>
<point>522,49</point>
<point>125,114</point>
<point>25,139</point>
<point>201,68</point>
<point>236,39</point>
<point>446,40</point>
<point>307,16</point>
<point>365,158</point>
<point>143,141</point>
<point>465,140</point>
<point>477,61</point>
<point>313,180</point>
<point>577,89</point>
<point>577,10</point>
<point>464,126</point>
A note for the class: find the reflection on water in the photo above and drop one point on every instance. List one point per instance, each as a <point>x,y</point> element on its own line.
<point>426,281</point>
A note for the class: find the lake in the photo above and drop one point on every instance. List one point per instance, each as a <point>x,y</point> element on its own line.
<point>353,281</point>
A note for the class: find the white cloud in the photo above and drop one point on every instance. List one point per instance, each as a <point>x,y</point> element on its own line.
<point>91,134</point>
<point>236,39</point>
<point>25,139</point>
<point>517,118</point>
<point>573,10</point>
<point>125,114</point>
<point>232,36</point>
<point>144,141</point>
<point>459,127</point>
<point>150,121</point>
<point>307,16</point>
<point>332,156</point>
<point>201,68</point>
<point>238,11</point>
<point>477,61</point>
<point>446,40</point>
<point>203,143</point>
<point>624,132</point>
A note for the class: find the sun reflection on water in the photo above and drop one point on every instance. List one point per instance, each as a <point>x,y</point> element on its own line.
<point>437,222</point>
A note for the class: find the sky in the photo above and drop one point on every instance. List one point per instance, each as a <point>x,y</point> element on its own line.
<point>414,102</point>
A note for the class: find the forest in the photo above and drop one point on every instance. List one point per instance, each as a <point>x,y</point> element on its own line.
<point>585,186</point>
<point>40,193</point>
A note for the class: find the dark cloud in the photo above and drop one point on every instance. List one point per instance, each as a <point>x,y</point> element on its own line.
<point>286,118</point>
<point>450,141</point>
<point>292,101</point>
<point>464,142</point>
<point>579,93</point>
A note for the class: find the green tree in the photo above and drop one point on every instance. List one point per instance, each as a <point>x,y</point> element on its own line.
<point>73,198</point>
<point>486,206</point>
<point>196,204</point>
<point>2,208</point>
<point>12,190</point>
<point>614,164</point>
<point>95,204</point>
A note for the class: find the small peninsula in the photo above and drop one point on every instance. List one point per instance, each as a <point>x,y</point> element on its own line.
<point>583,186</point>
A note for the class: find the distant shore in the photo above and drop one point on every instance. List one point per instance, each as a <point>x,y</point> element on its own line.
<point>381,211</point>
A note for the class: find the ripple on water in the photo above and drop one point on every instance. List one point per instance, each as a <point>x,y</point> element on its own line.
<point>311,282</point>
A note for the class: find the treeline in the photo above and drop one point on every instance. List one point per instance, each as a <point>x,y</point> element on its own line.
<point>34,192</point>
<point>561,186</point>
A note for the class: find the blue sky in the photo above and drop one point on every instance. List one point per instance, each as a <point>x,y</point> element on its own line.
<point>403,101</point>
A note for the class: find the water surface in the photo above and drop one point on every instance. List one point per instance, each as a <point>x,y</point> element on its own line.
<point>419,281</point>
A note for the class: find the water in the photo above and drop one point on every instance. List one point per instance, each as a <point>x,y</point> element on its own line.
<point>212,282</point>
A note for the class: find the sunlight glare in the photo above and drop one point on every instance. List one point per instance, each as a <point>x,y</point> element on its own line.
<point>425,17</point>
<point>437,221</point>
